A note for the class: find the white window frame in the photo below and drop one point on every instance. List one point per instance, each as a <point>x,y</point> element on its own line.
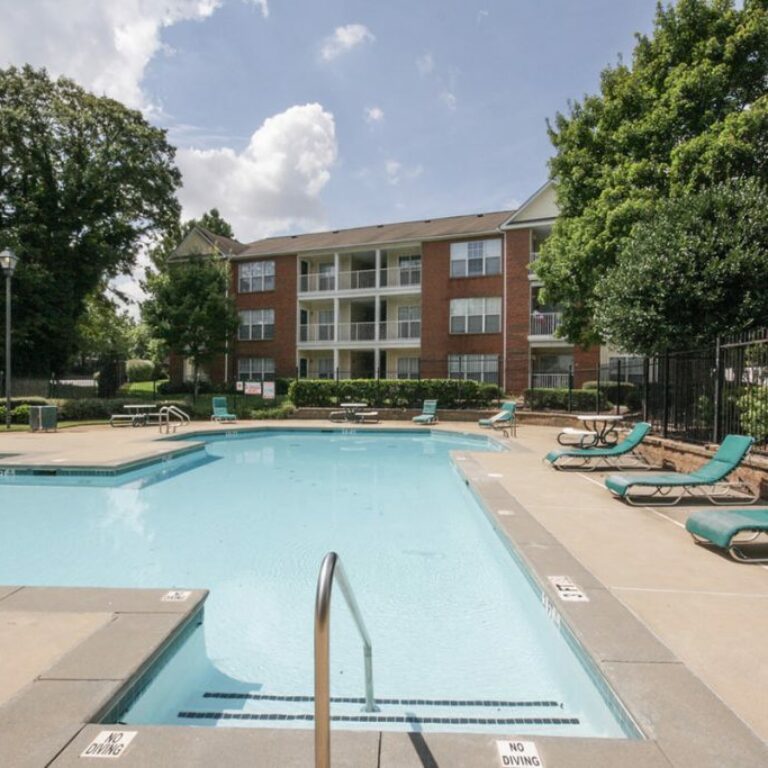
<point>255,369</point>
<point>408,367</point>
<point>253,319</point>
<point>476,258</point>
<point>409,321</point>
<point>475,315</point>
<point>256,276</point>
<point>483,368</point>
<point>324,370</point>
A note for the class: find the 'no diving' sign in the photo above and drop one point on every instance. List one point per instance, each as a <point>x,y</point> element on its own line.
<point>518,754</point>
<point>109,744</point>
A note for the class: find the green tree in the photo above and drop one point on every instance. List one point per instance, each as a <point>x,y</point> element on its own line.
<point>696,270</point>
<point>691,111</point>
<point>103,330</point>
<point>190,312</point>
<point>84,182</point>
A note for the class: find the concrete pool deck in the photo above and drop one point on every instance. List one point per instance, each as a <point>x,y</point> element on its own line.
<point>679,631</point>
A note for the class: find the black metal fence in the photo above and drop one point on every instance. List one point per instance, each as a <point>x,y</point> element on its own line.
<point>696,396</point>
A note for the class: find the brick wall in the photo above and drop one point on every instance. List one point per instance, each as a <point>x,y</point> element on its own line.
<point>437,290</point>
<point>518,255</point>
<point>282,349</point>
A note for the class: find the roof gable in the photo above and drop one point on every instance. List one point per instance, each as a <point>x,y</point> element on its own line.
<point>540,206</point>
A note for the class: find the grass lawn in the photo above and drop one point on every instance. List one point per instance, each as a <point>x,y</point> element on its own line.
<point>61,425</point>
<point>140,389</point>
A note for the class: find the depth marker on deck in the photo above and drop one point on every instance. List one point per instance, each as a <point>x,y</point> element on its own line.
<point>176,596</point>
<point>567,590</point>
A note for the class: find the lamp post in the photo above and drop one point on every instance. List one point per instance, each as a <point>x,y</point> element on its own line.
<point>8,262</point>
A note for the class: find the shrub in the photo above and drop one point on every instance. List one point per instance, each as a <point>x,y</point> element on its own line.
<point>753,412</point>
<point>19,414</point>
<point>93,409</point>
<point>183,388</point>
<point>557,399</point>
<point>283,411</point>
<point>621,392</point>
<point>392,393</point>
<point>139,370</point>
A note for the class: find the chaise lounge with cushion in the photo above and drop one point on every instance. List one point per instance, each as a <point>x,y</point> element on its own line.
<point>220,412</point>
<point>428,413</point>
<point>590,459</point>
<point>707,482</point>
<point>506,418</point>
<point>730,529</point>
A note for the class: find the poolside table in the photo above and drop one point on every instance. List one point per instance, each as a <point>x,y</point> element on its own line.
<point>603,425</point>
<point>351,409</point>
<point>140,413</point>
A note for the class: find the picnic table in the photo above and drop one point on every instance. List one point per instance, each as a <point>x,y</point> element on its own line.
<point>138,415</point>
<point>354,412</point>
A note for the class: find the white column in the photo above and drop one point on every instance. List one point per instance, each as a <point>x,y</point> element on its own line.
<point>335,321</point>
<point>335,361</point>
<point>377,316</point>
<point>378,268</point>
<point>336,279</point>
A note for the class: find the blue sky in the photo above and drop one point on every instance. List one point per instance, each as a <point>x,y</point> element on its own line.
<point>294,115</point>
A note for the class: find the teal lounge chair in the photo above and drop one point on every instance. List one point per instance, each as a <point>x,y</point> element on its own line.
<point>506,418</point>
<point>220,412</point>
<point>730,530</point>
<point>428,413</point>
<point>590,459</point>
<point>708,481</point>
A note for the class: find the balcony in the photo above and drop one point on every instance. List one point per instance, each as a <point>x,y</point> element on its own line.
<point>361,280</point>
<point>545,323</point>
<point>400,330</point>
<point>549,380</point>
<point>408,331</point>
<point>316,332</point>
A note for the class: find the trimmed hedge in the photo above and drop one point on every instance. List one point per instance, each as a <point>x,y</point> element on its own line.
<point>19,414</point>
<point>206,388</point>
<point>93,408</point>
<point>392,393</point>
<point>557,399</point>
<point>622,392</point>
<point>139,370</point>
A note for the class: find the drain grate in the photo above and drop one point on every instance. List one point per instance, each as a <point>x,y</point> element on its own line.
<point>395,702</point>
<point>273,717</point>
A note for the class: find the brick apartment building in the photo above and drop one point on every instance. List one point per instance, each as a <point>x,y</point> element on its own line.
<point>449,297</point>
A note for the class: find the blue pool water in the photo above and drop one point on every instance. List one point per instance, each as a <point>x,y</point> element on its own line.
<point>458,631</point>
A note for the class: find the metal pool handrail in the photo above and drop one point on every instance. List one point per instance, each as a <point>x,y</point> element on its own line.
<point>331,569</point>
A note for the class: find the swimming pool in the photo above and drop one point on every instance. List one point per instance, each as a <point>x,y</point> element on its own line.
<point>461,640</point>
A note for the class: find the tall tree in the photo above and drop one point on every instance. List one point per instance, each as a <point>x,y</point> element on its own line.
<point>691,111</point>
<point>84,182</point>
<point>189,310</point>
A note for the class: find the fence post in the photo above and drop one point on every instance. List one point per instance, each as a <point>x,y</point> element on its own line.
<point>717,396</point>
<point>646,376</point>
<point>618,387</point>
<point>665,426</point>
<point>570,388</point>
<point>597,396</point>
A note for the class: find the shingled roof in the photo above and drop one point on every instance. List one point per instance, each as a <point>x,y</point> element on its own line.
<point>224,244</point>
<point>379,234</point>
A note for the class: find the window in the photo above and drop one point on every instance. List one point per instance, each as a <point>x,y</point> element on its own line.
<point>476,315</point>
<point>325,325</point>
<point>256,325</point>
<point>474,367</point>
<point>476,257</point>
<point>325,367</point>
<point>409,322</point>
<point>410,270</point>
<point>407,367</point>
<point>255,369</point>
<point>327,277</point>
<point>256,276</point>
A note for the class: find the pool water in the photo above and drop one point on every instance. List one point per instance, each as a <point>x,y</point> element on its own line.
<point>460,638</point>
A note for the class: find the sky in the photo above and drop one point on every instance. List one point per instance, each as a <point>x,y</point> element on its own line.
<point>302,115</point>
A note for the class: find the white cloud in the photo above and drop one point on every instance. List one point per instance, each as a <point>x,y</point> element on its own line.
<point>274,183</point>
<point>397,172</point>
<point>105,45</point>
<point>263,6</point>
<point>374,114</point>
<point>344,39</point>
<point>425,64</point>
<point>449,99</point>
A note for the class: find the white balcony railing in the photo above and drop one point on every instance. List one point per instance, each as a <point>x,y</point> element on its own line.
<point>549,380</point>
<point>357,331</point>
<point>317,282</point>
<point>545,323</point>
<point>316,332</point>
<point>360,280</point>
<point>400,277</point>
<point>392,330</point>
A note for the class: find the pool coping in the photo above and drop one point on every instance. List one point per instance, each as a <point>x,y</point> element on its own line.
<point>685,724</point>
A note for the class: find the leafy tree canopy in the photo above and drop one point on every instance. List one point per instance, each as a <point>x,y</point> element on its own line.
<point>84,181</point>
<point>189,310</point>
<point>103,330</point>
<point>696,270</point>
<point>691,111</point>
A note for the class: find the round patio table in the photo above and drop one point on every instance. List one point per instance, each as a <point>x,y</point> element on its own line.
<point>603,425</point>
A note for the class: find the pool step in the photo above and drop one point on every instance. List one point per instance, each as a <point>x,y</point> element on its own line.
<point>231,708</point>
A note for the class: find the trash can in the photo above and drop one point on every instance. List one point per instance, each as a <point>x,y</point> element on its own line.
<point>43,418</point>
